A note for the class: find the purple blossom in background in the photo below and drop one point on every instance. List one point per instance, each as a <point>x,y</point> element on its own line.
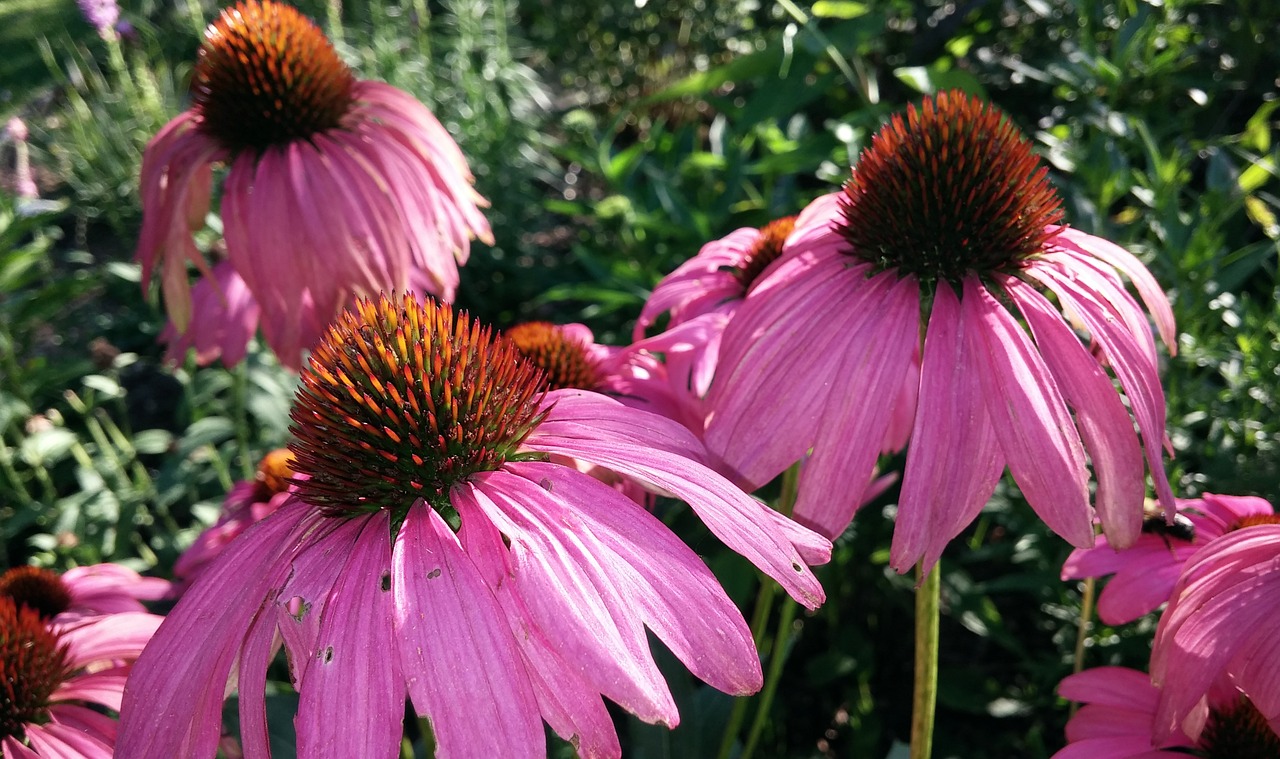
<point>102,14</point>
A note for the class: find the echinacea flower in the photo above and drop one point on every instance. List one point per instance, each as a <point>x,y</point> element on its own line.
<point>248,502</point>
<point>81,592</point>
<point>947,218</point>
<point>1221,622</point>
<point>336,187</point>
<point>1146,571</point>
<point>1118,714</point>
<point>57,682</point>
<point>433,548</point>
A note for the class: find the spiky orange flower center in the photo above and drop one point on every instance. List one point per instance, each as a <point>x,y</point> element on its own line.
<point>950,190</point>
<point>266,75</point>
<point>563,358</point>
<point>32,666</point>
<point>273,475</point>
<point>38,589</point>
<point>1254,520</point>
<point>767,249</point>
<point>401,400</point>
<point>1238,731</point>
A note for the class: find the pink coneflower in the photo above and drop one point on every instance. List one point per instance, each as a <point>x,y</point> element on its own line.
<point>80,593</point>
<point>1145,572</point>
<point>248,502</point>
<point>1119,712</point>
<point>1221,623</point>
<point>58,681</point>
<point>704,292</point>
<point>229,318</point>
<point>433,548</point>
<point>336,186</point>
<point>947,218</point>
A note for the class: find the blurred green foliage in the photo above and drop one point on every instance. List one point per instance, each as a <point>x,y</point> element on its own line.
<point>613,140</point>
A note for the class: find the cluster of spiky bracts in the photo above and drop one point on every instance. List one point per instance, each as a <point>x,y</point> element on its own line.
<point>33,663</point>
<point>765,250</point>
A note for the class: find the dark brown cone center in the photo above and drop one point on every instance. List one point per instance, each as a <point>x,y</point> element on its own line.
<point>1238,731</point>
<point>32,666</point>
<point>563,358</point>
<point>39,589</point>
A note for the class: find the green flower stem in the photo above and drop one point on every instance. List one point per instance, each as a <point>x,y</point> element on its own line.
<point>1082,631</point>
<point>925,687</point>
<point>759,621</point>
<point>777,657</point>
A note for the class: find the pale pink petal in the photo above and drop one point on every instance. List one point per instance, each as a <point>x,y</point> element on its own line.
<point>1135,591</point>
<point>943,492</point>
<point>574,601</point>
<point>1104,422</point>
<point>301,602</point>
<point>173,702</point>
<point>86,720</point>
<point>577,415</point>
<point>103,687</point>
<point>15,750</point>
<point>1041,446</point>
<point>874,359</point>
<point>117,636</point>
<point>657,573</point>
<point>54,741</point>
<point>354,679</point>
<point>463,668</point>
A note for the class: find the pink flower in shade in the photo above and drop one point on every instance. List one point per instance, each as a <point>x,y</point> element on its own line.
<point>1145,572</point>
<point>336,187</point>
<point>82,592</point>
<point>1119,712</point>
<point>1221,623</point>
<point>434,548</point>
<point>949,219</point>
<point>57,681</point>
<point>226,320</point>
<point>248,502</point>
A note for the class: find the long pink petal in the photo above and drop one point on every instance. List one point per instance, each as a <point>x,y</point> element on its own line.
<point>1037,436</point>
<point>118,636</point>
<point>54,741</point>
<point>584,415</point>
<point>874,359</point>
<point>173,701</point>
<point>1104,422</point>
<point>574,602</point>
<point>260,646</point>
<point>461,662</point>
<point>659,575</point>
<point>352,698</point>
<point>15,750</point>
<point>943,492</point>
<point>86,720</point>
<point>103,687</point>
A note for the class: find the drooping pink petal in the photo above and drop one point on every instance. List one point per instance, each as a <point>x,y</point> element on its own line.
<point>1036,433</point>
<point>354,678</point>
<point>582,415</point>
<point>117,636</point>
<point>574,601</point>
<point>103,687</point>
<point>173,701</point>
<point>463,668</point>
<point>1104,422</point>
<point>85,720</point>
<point>774,349</point>
<point>942,491</point>
<point>54,741</point>
<point>657,573</point>
<point>874,359</point>
<point>729,513</point>
<point>260,646</point>
<point>15,750</point>
<point>570,705</point>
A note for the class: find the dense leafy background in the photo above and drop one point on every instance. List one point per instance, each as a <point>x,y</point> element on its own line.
<point>613,140</point>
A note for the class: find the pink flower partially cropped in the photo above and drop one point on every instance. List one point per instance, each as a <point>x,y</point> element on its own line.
<point>336,187</point>
<point>61,683</point>
<point>248,502</point>
<point>1145,572</point>
<point>947,218</point>
<point>434,549</point>
<point>1221,623</point>
<point>82,592</point>
<point>1118,714</point>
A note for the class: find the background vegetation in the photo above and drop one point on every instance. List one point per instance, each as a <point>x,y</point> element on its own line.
<point>614,139</point>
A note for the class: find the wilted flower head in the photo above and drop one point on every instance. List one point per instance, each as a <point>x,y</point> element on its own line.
<point>947,217</point>
<point>1119,712</point>
<point>248,502</point>
<point>1145,572</point>
<point>62,675</point>
<point>1220,625</point>
<point>337,187</point>
<point>433,547</point>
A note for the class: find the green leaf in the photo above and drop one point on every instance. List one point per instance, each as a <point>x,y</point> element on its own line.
<point>208,431</point>
<point>152,441</point>
<point>844,9</point>
<point>47,447</point>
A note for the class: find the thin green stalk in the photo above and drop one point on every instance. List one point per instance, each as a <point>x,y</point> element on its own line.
<point>777,657</point>
<point>860,80</point>
<point>240,380</point>
<point>1082,631</point>
<point>333,10</point>
<point>925,686</point>
<point>759,621</point>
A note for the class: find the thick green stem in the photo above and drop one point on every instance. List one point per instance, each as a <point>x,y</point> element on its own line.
<point>925,687</point>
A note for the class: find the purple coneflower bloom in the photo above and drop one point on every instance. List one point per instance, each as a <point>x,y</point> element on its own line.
<point>1119,713</point>
<point>81,592</point>
<point>1146,572</point>
<point>248,502</point>
<point>947,219</point>
<point>1221,623</point>
<point>433,548</point>
<point>60,676</point>
<point>336,186</point>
